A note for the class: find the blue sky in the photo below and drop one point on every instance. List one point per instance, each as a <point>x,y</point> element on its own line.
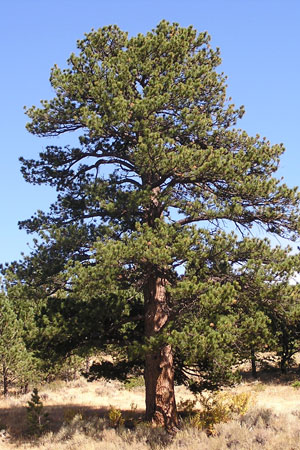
<point>259,42</point>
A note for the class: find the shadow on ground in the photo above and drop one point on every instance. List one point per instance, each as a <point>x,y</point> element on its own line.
<point>271,375</point>
<point>14,419</point>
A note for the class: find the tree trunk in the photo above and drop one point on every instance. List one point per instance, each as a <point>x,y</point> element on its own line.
<point>253,363</point>
<point>159,370</point>
<point>283,364</point>
<point>5,380</point>
<point>285,352</point>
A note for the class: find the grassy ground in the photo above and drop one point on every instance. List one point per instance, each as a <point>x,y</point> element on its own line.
<point>78,413</point>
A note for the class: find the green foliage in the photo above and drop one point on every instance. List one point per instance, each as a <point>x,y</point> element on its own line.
<point>296,384</point>
<point>18,366</point>
<point>219,408</point>
<point>37,419</point>
<point>134,382</point>
<point>115,417</point>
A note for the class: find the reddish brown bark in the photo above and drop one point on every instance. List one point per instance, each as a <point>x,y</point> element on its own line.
<point>159,367</point>
<point>159,370</point>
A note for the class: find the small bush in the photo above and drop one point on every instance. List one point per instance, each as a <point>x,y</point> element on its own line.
<point>115,417</point>
<point>296,384</point>
<point>213,412</point>
<point>219,408</point>
<point>237,403</point>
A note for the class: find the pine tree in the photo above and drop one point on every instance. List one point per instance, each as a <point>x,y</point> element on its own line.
<point>37,419</point>
<point>16,363</point>
<point>268,302</point>
<point>158,165</point>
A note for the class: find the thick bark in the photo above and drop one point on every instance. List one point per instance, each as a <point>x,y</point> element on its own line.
<point>159,364</point>
<point>159,370</point>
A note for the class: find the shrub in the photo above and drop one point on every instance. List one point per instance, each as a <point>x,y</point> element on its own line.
<point>296,384</point>
<point>237,403</point>
<point>115,417</point>
<point>219,408</point>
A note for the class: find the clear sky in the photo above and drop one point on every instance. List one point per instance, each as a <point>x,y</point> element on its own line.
<point>259,42</point>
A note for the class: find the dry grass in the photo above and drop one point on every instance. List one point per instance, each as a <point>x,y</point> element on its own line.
<point>79,420</point>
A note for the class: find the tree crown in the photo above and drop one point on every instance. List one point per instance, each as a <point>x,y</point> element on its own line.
<point>154,127</point>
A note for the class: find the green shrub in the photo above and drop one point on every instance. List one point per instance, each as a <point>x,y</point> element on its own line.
<point>219,408</point>
<point>296,384</point>
<point>115,417</point>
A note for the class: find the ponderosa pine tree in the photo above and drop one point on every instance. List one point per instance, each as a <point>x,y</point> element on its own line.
<point>158,155</point>
<point>268,302</point>
<point>16,362</point>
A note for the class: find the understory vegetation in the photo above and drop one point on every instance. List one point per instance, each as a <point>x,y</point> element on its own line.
<point>108,415</point>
